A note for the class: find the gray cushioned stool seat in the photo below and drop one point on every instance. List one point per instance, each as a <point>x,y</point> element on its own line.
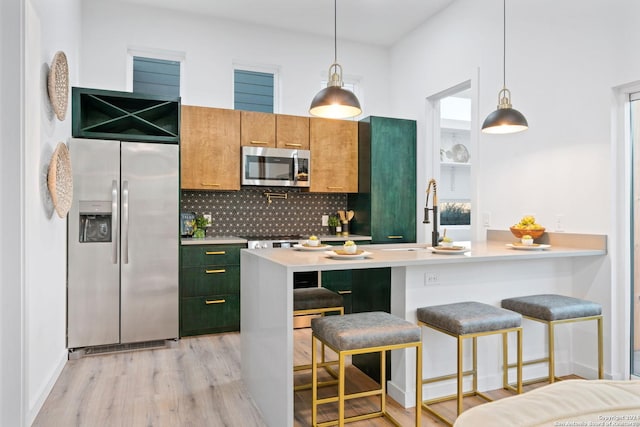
<point>312,298</point>
<point>468,317</point>
<point>552,307</point>
<point>364,330</point>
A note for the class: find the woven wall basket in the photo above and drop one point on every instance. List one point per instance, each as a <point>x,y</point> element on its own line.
<point>60,180</point>
<point>58,85</point>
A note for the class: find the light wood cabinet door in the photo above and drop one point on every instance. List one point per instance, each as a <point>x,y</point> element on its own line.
<point>334,155</point>
<point>209,148</point>
<point>257,129</point>
<point>292,132</point>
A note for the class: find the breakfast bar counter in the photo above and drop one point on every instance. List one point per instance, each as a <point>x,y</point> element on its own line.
<point>487,272</point>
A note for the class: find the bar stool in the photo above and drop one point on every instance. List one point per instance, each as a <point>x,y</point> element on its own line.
<point>360,333</point>
<point>552,309</point>
<point>469,320</point>
<point>316,301</point>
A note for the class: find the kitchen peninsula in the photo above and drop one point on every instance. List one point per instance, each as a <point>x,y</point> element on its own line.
<point>487,273</point>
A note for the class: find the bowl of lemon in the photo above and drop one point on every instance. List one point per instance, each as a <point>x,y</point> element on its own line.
<point>527,227</point>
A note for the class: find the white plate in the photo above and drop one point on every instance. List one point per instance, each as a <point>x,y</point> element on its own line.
<point>453,250</point>
<point>534,247</point>
<point>460,154</point>
<point>320,247</point>
<point>359,255</point>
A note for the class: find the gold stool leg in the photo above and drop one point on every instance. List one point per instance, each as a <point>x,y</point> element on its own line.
<point>341,390</point>
<point>552,368</point>
<point>505,361</point>
<point>419,385</point>
<point>519,363</point>
<point>314,382</point>
<point>383,381</point>
<point>475,364</point>
<point>600,350</point>
<point>460,374</point>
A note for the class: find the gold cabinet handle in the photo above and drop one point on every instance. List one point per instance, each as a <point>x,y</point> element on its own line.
<point>335,188</point>
<point>210,184</point>
<point>215,301</point>
<point>222,270</point>
<point>344,292</point>
<point>291,144</point>
<point>215,252</point>
<point>395,237</point>
<point>259,142</point>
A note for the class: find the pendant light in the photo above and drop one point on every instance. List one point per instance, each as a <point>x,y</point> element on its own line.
<point>334,101</point>
<point>505,119</point>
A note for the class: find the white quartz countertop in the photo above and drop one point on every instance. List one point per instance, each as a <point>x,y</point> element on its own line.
<point>229,240</point>
<point>408,254</point>
<point>214,240</point>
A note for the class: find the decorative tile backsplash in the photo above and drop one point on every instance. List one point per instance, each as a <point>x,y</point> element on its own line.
<point>248,212</point>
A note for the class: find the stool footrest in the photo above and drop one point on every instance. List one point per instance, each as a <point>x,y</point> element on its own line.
<point>529,362</point>
<point>447,377</point>
<point>367,393</point>
<point>309,385</point>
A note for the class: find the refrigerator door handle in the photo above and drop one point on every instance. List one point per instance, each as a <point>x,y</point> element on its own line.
<point>125,222</point>
<point>114,216</point>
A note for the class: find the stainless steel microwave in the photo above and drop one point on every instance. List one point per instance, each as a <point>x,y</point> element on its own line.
<point>275,167</point>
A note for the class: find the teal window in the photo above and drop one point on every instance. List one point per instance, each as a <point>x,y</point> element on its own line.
<point>253,91</point>
<point>156,76</point>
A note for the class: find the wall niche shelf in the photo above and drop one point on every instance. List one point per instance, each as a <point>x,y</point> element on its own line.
<point>124,116</point>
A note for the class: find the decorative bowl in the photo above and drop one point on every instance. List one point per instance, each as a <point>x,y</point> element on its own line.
<point>314,242</point>
<point>519,232</point>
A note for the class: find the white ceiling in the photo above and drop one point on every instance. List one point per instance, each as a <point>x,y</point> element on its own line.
<point>381,22</point>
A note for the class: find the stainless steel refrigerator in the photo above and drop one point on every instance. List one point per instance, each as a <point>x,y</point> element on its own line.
<point>122,284</point>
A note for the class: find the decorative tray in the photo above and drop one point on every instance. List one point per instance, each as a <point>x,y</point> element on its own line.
<point>341,254</point>
<point>60,180</point>
<point>449,250</point>
<point>58,84</point>
<point>305,247</point>
<point>532,247</point>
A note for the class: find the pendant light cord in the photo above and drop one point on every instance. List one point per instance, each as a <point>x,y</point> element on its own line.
<point>335,31</point>
<point>504,43</point>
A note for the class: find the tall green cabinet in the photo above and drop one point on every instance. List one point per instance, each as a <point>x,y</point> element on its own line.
<point>385,205</point>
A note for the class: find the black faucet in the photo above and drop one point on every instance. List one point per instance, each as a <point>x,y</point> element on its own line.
<point>434,233</point>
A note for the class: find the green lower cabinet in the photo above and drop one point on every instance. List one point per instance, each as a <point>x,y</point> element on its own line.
<point>363,291</point>
<point>211,314</point>
<point>339,281</point>
<point>371,291</point>
<point>209,289</point>
<point>209,280</point>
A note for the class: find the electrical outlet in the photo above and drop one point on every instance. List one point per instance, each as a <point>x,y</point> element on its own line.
<point>486,219</point>
<point>325,220</point>
<point>431,278</point>
<point>207,217</point>
<point>559,222</point>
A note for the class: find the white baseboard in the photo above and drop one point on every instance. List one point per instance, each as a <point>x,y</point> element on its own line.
<point>46,389</point>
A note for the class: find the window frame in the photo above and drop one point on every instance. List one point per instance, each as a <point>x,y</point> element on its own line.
<point>257,68</point>
<point>151,53</point>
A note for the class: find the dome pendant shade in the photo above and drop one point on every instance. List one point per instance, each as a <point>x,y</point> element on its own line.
<point>505,119</point>
<point>334,102</point>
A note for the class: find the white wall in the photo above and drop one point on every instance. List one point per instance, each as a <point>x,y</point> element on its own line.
<point>11,214</point>
<point>211,47</point>
<point>50,27</point>
<point>563,61</point>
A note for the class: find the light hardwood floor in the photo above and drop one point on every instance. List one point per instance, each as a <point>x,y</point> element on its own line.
<point>198,383</point>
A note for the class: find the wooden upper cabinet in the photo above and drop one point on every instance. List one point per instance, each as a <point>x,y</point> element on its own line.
<point>334,155</point>
<point>257,129</point>
<point>292,132</point>
<point>209,148</point>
